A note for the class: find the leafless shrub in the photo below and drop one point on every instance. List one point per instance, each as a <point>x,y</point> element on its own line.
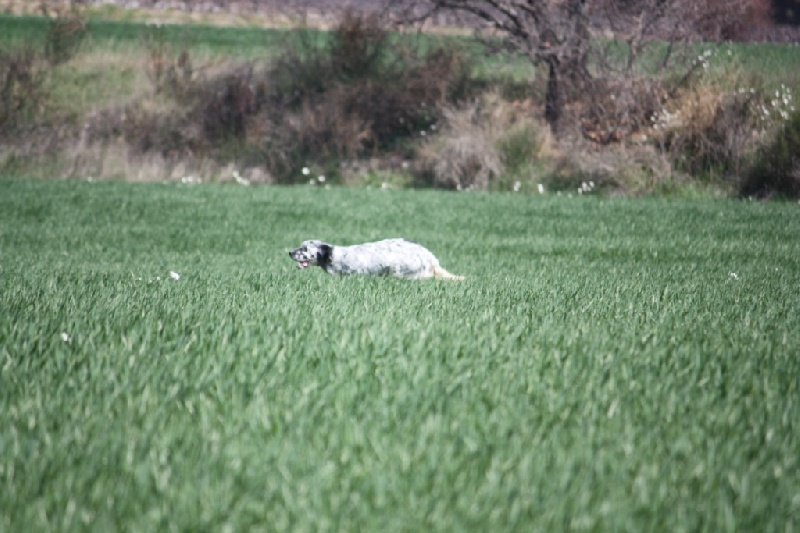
<point>169,73</point>
<point>486,143</point>
<point>464,155</point>
<point>466,161</point>
<point>66,32</point>
<point>22,95</point>
<point>628,169</point>
<point>358,46</point>
<point>228,103</point>
<point>146,128</point>
<point>357,49</point>
<point>318,131</point>
<point>727,20</point>
<point>344,122</point>
<point>616,109</point>
<point>713,129</point>
<point>644,60</point>
<point>350,99</point>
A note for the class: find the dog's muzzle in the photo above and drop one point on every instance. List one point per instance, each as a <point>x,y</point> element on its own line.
<point>301,262</point>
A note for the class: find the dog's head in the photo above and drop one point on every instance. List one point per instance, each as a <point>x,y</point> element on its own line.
<point>312,253</point>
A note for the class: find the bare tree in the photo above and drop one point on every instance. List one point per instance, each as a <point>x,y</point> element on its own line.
<point>551,33</point>
<point>589,48</point>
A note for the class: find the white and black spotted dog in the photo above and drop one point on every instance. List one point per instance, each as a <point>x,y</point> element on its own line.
<point>400,258</point>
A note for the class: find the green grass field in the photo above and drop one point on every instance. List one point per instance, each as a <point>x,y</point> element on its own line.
<point>609,364</point>
<point>121,36</point>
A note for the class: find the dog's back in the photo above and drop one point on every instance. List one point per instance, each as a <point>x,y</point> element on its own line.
<point>400,258</point>
<point>391,257</point>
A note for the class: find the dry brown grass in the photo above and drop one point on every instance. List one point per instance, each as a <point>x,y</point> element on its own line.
<point>617,169</point>
<point>483,141</point>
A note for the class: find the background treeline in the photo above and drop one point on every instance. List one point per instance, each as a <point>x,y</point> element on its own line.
<point>360,104</point>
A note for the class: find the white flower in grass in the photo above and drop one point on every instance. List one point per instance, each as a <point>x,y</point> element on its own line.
<point>586,187</point>
<point>733,276</point>
<point>541,188</point>
<point>306,171</point>
<point>517,186</point>
<point>240,179</point>
<point>174,275</point>
<point>65,337</point>
<point>321,179</point>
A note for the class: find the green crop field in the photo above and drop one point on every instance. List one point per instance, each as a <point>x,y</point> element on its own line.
<point>609,364</point>
<point>16,32</point>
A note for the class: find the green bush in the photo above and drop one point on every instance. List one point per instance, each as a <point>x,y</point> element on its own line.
<point>523,143</point>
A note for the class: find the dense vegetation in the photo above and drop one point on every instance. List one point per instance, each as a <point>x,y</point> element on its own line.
<point>87,97</point>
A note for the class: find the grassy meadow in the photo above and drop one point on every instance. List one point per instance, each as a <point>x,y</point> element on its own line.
<point>610,364</point>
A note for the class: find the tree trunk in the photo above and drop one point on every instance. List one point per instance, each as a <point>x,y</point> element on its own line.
<point>553,99</point>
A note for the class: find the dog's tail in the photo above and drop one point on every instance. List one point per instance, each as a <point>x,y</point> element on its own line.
<point>440,273</point>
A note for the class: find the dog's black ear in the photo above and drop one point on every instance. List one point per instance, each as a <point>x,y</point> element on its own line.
<point>324,255</point>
